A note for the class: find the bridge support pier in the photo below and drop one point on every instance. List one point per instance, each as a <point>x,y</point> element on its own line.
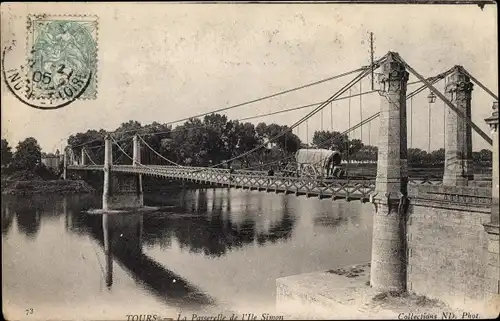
<point>121,190</point>
<point>493,228</point>
<point>83,158</point>
<point>458,148</point>
<point>65,163</point>
<point>388,263</point>
<point>136,161</point>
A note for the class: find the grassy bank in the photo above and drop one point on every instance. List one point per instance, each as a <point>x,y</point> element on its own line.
<point>40,181</point>
<point>45,187</point>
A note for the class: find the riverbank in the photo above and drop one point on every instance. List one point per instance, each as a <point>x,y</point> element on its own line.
<point>40,181</point>
<point>45,187</point>
<point>345,293</point>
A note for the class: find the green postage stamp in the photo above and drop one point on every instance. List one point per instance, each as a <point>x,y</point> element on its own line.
<point>62,56</point>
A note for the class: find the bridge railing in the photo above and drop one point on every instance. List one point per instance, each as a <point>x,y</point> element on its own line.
<point>349,188</point>
<point>353,189</point>
<point>86,167</point>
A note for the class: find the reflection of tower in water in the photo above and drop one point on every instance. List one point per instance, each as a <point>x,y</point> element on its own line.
<point>107,251</point>
<point>122,242</point>
<point>7,216</point>
<point>122,235</point>
<point>68,219</point>
<point>337,213</point>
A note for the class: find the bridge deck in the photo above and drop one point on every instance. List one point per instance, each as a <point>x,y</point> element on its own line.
<point>350,189</point>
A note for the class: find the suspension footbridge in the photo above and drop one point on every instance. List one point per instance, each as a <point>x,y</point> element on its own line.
<point>394,82</point>
<point>403,205</point>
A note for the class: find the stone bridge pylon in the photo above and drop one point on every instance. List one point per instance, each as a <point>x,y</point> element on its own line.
<point>121,190</point>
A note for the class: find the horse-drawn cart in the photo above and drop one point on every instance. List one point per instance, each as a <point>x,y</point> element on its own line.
<point>315,163</point>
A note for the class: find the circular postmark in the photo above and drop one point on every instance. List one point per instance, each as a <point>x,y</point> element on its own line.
<point>60,67</point>
<point>60,96</point>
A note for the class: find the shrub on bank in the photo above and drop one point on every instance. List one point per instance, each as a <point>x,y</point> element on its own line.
<point>45,187</point>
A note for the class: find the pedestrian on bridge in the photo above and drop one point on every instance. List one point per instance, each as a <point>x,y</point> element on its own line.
<point>270,172</point>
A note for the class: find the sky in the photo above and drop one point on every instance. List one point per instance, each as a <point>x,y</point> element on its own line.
<point>167,61</point>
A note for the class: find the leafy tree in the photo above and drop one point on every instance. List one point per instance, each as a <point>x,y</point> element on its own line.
<point>188,142</point>
<point>158,136</point>
<point>485,155</point>
<point>348,148</point>
<point>437,156</point>
<point>355,145</point>
<point>418,156</point>
<point>326,139</point>
<point>28,154</point>
<point>366,153</point>
<point>6,153</point>
<point>93,141</point>
<point>287,143</point>
<point>123,136</point>
<point>216,139</point>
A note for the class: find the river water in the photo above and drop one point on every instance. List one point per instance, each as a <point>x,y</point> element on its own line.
<point>206,251</point>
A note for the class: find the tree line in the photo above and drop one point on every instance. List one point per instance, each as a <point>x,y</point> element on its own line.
<point>212,140</point>
<point>27,154</point>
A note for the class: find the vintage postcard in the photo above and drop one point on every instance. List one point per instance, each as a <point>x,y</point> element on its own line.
<point>250,161</point>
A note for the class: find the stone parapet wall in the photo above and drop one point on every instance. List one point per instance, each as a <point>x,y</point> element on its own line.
<point>455,196</point>
<point>447,245</point>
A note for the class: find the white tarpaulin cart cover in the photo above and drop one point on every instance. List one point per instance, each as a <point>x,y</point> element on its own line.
<point>319,159</point>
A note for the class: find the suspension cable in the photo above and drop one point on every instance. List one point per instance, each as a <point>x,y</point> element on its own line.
<point>477,82</point>
<point>337,94</point>
<point>347,142</point>
<point>436,78</point>
<point>411,122</point>
<point>429,130</point>
<point>347,131</point>
<point>307,133</point>
<point>125,153</point>
<point>115,161</point>
<point>161,156</point>
<point>430,79</point>
<point>90,158</point>
<point>331,114</point>
<point>268,96</point>
<point>306,106</point>
<point>450,104</point>
<point>360,76</point>
<point>368,120</point>
<point>238,119</point>
<point>444,118</point>
<point>361,109</point>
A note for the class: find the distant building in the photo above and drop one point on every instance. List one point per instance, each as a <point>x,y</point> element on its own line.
<point>52,160</point>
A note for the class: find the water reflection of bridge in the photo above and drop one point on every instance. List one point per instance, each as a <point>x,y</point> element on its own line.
<point>212,223</point>
<point>214,229</point>
<point>203,221</point>
<point>121,238</point>
<point>206,229</point>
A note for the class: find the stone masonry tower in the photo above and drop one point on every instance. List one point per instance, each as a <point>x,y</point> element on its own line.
<point>108,160</point>
<point>493,227</point>
<point>458,148</point>
<point>121,190</point>
<point>388,263</point>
